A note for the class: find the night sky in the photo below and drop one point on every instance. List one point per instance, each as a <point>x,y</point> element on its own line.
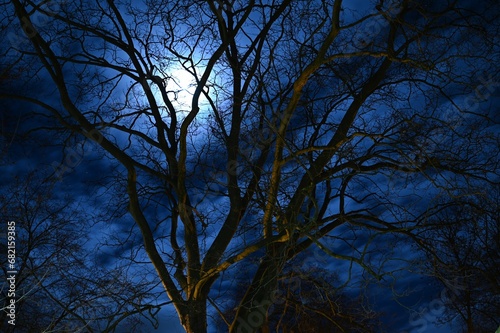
<point>80,174</point>
<point>41,152</point>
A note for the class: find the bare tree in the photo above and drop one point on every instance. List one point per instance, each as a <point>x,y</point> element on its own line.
<point>259,128</point>
<point>58,285</point>
<point>466,237</point>
<point>311,300</point>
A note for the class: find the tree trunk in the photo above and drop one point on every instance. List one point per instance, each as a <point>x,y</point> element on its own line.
<point>470,322</point>
<point>194,318</point>
<point>252,311</point>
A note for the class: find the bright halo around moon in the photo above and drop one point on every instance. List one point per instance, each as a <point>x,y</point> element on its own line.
<point>181,87</point>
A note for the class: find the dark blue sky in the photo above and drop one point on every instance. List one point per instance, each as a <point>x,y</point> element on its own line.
<point>79,178</point>
<point>81,169</point>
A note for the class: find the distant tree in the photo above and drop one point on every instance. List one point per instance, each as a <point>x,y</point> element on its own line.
<point>311,299</point>
<point>58,285</point>
<point>250,129</point>
<point>465,242</point>
<point>316,305</point>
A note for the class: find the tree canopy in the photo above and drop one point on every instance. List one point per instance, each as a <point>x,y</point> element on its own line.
<point>250,132</point>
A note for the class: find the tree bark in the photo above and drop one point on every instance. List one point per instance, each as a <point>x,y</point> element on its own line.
<point>252,311</point>
<point>194,319</point>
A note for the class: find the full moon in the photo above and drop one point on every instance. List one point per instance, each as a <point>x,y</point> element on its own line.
<point>181,86</point>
